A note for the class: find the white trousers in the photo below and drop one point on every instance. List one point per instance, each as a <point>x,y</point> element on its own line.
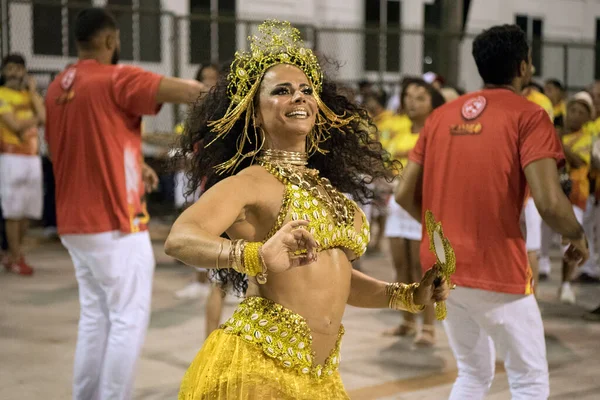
<point>479,319</point>
<point>114,272</point>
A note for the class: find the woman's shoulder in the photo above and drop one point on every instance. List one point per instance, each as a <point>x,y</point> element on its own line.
<point>254,175</point>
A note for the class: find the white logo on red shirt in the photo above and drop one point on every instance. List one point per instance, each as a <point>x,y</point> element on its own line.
<point>473,107</point>
<point>68,78</point>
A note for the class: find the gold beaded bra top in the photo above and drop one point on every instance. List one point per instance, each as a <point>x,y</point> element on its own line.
<point>334,220</point>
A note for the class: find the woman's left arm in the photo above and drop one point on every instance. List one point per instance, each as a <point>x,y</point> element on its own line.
<point>368,292</point>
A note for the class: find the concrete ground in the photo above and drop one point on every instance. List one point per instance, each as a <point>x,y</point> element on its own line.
<point>38,325</point>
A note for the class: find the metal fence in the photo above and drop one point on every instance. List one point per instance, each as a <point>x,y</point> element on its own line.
<point>176,45</point>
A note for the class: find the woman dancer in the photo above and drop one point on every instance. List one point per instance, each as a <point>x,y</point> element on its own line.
<point>418,100</point>
<point>297,145</point>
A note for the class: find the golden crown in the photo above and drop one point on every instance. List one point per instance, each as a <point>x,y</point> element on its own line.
<point>277,42</point>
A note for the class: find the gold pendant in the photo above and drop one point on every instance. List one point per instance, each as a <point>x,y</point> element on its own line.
<point>444,255</point>
<point>261,278</point>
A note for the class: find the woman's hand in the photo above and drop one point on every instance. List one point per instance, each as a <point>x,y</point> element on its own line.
<point>278,251</point>
<point>428,292</point>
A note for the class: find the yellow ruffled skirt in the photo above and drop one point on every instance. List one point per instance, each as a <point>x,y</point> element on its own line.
<point>262,352</point>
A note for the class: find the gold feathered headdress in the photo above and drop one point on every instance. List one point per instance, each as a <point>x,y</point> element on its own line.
<point>277,42</point>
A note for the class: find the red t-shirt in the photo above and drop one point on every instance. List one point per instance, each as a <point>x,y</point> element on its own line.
<point>94,138</point>
<point>473,152</point>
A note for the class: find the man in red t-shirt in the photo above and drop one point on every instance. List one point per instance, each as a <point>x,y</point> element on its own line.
<point>94,111</point>
<point>471,166</point>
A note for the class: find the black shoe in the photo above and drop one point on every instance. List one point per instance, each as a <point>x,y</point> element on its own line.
<point>593,315</point>
<point>544,277</point>
<point>587,279</point>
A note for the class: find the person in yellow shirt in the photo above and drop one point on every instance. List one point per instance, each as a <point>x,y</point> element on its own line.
<point>389,125</point>
<point>535,93</point>
<point>577,144</point>
<point>555,91</point>
<point>21,193</point>
<point>418,100</point>
<point>590,271</point>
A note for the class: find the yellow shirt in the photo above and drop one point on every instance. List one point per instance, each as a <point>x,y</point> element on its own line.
<point>560,111</point>
<point>543,101</point>
<point>581,144</point>
<point>389,125</point>
<point>593,127</point>
<point>403,142</point>
<point>18,103</point>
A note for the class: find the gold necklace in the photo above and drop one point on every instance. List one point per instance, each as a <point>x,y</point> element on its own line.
<point>309,180</point>
<point>283,157</point>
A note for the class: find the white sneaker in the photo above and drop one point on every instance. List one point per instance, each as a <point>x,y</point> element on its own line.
<point>566,294</point>
<point>193,290</point>
<point>544,265</point>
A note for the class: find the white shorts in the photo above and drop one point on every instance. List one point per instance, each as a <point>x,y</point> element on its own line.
<point>21,186</point>
<point>400,223</point>
<point>533,226</point>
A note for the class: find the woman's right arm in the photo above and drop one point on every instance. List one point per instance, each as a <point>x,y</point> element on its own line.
<point>195,236</point>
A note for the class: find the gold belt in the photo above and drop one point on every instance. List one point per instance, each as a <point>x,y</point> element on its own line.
<point>281,334</point>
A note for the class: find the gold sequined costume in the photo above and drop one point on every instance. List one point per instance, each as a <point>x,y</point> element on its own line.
<point>262,352</point>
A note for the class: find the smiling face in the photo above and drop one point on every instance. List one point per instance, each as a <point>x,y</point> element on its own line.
<point>286,107</point>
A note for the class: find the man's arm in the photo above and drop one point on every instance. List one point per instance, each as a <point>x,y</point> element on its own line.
<point>409,191</point>
<point>16,125</point>
<point>141,92</point>
<point>553,205</point>
<point>179,91</point>
<point>38,108</point>
<point>37,101</point>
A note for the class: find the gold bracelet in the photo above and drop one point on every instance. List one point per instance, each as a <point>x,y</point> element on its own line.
<point>252,259</point>
<point>239,253</point>
<point>401,297</point>
<point>220,252</point>
<point>261,278</point>
<point>230,257</point>
<point>233,259</point>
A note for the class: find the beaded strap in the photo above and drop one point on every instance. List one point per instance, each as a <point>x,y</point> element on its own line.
<point>401,297</point>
